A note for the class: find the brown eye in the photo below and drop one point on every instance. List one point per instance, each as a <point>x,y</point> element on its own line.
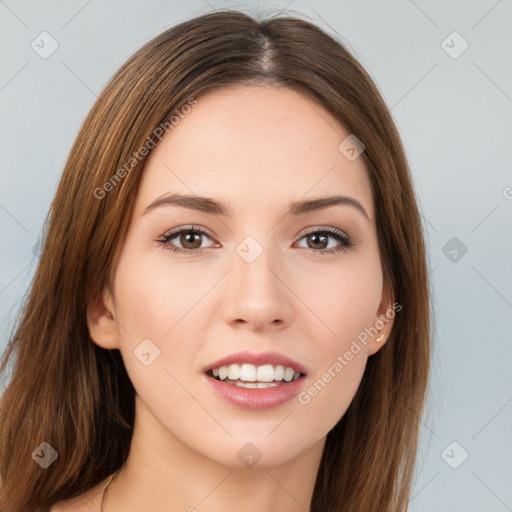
<point>190,240</point>
<point>184,240</point>
<point>318,241</point>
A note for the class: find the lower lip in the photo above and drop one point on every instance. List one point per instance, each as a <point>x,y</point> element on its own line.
<point>256,399</point>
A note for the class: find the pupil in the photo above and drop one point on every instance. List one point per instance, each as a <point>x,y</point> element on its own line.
<point>317,237</point>
<point>189,238</point>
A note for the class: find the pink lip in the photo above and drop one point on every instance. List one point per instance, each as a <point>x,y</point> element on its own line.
<point>259,359</point>
<point>255,399</point>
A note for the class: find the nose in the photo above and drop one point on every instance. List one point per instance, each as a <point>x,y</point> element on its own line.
<point>258,296</point>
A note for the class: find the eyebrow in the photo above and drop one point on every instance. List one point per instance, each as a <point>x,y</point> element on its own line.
<point>213,207</point>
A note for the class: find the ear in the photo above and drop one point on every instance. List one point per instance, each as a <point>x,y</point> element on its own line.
<point>384,320</point>
<point>101,321</point>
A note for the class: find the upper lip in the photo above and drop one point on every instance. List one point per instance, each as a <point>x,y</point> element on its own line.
<point>257,359</point>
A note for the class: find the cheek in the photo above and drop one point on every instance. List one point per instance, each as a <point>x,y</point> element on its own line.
<point>153,298</point>
<point>340,357</point>
<point>346,305</point>
<point>152,305</point>
<point>329,393</point>
<point>147,308</point>
<point>159,311</point>
<point>343,300</point>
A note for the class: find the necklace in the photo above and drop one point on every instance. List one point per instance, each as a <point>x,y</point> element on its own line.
<point>105,491</point>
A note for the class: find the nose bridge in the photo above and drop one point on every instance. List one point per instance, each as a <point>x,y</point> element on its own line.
<point>252,263</point>
<point>257,294</point>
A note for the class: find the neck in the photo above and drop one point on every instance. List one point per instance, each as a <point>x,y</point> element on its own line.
<point>161,470</point>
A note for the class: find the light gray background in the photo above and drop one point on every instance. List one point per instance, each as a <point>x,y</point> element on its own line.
<point>454,115</point>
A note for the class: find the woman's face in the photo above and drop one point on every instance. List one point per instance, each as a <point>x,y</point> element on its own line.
<point>256,283</point>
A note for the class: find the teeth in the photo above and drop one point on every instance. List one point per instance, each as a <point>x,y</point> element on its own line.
<point>223,372</point>
<point>265,373</point>
<point>252,376</point>
<point>252,385</point>
<point>288,374</point>
<point>247,372</point>
<point>263,385</point>
<point>234,372</point>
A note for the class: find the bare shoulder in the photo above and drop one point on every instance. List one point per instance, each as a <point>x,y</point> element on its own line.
<point>88,501</point>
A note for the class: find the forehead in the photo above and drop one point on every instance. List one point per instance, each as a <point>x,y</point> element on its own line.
<point>252,146</point>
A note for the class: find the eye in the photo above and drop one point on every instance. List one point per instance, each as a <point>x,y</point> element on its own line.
<point>190,240</point>
<point>321,236</point>
<point>189,237</point>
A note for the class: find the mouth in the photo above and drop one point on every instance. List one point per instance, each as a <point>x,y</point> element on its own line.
<point>255,381</point>
<point>254,377</point>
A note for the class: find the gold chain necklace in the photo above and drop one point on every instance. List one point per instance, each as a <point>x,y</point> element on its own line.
<point>105,491</point>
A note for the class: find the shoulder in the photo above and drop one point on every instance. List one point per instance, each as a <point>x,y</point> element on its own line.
<point>89,501</point>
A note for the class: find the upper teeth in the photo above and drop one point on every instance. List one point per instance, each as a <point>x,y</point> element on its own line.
<point>252,373</point>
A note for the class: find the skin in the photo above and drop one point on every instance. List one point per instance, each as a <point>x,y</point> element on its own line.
<point>257,149</point>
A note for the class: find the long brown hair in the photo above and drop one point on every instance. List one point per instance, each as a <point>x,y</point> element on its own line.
<point>77,397</point>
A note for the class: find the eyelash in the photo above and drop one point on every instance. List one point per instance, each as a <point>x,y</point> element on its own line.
<point>345,241</point>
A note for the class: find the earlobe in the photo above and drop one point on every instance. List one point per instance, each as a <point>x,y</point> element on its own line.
<point>383,320</point>
<point>101,322</point>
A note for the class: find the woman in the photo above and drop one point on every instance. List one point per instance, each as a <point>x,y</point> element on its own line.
<point>231,306</point>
